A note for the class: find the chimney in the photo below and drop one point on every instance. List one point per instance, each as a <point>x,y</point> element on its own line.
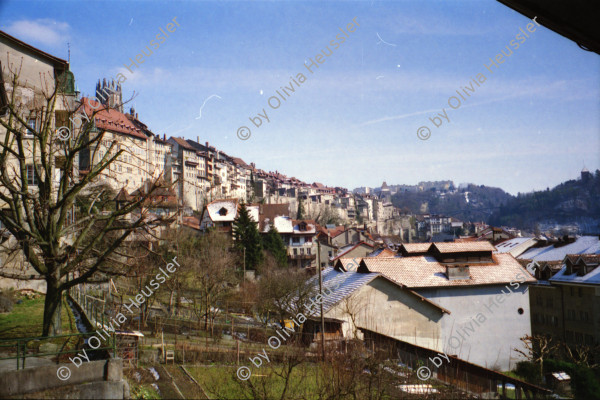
<point>197,139</point>
<point>207,144</point>
<point>164,136</point>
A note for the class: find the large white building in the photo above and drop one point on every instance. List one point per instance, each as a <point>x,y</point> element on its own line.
<point>487,297</point>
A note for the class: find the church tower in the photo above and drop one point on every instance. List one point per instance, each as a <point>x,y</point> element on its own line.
<point>110,94</point>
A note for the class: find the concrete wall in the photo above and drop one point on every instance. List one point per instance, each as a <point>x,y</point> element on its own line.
<point>30,380</point>
<point>484,326</point>
<point>383,307</point>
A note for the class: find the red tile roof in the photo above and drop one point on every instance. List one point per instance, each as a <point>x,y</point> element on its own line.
<point>426,271</point>
<point>416,247</point>
<point>386,253</point>
<point>192,222</point>
<point>112,120</point>
<point>451,247</point>
<point>183,143</point>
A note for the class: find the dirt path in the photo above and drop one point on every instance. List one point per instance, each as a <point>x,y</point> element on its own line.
<point>168,390</point>
<point>189,388</point>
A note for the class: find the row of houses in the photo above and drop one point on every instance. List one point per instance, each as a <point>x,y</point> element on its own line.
<point>198,172</point>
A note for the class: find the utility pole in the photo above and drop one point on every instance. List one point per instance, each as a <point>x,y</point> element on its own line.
<point>321,305</point>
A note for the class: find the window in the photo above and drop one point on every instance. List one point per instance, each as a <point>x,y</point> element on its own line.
<point>584,316</point>
<point>119,167</point>
<point>31,178</point>
<point>295,252</point>
<point>31,126</point>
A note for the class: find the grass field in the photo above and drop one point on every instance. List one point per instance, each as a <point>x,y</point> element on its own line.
<point>220,382</point>
<point>26,319</point>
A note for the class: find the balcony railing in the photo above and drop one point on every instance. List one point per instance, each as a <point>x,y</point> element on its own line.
<point>302,256</point>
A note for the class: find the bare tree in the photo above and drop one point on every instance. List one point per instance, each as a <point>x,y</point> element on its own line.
<point>352,306</point>
<point>39,185</point>
<point>283,292</point>
<point>583,355</point>
<point>210,271</point>
<point>537,349</point>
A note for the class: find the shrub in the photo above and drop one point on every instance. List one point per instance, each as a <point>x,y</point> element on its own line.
<point>584,383</point>
<point>528,371</point>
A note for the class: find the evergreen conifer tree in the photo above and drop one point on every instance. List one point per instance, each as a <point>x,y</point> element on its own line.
<point>273,243</point>
<point>247,237</point>
<point>300,213</point>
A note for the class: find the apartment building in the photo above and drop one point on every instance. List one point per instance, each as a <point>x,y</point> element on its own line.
<point>38,73</point>
<point>565,303</point>
<point>189,166</point>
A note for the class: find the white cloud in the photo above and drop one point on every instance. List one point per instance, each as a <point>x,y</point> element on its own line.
<point>45,31</point>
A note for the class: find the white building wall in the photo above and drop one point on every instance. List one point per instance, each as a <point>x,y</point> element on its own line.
<point>484,326</point>
<point>383,307</point>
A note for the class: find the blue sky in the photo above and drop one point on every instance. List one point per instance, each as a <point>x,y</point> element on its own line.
<point>531,124</point>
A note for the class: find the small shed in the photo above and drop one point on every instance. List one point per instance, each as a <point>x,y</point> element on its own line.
<point>560,382</point>
<point>128,346</point>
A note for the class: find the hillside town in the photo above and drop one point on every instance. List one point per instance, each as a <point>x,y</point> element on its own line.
<point>262,285</point>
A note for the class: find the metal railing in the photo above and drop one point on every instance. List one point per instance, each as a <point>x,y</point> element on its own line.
<point>22,347</point>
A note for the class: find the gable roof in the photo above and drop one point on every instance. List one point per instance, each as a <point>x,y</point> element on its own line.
<point>183,143</point>
<point>426,271</point>
<point>591,278</point>
<point>348,283</point>
<point>382,252</point>
<point>510,244</point>
<point>112,120</point>
<point>311,226</point>
<point>451,247</point>
<point>268,212</point>
<point>415,247</point>
<point>346,264</point>
<point>230,205</point>
<point>583,244</point>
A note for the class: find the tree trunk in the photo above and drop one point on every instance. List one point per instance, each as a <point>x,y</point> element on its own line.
<point>52,308</point>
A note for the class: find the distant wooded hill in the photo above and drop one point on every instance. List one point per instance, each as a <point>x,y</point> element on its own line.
<point>570,202</point>
<point>574,201</point>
